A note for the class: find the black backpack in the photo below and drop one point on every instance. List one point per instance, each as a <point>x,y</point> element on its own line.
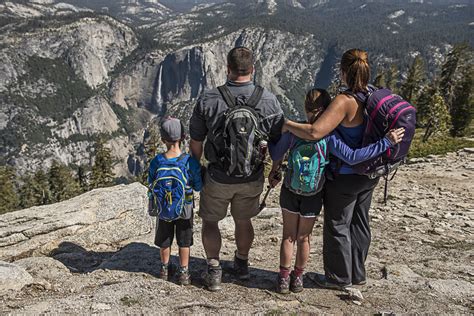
<point>241,135</point>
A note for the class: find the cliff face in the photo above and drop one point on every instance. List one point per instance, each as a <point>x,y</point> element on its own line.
<point>51,80</point>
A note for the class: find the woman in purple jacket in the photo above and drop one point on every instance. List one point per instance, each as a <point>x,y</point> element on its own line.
<point>299,211</point>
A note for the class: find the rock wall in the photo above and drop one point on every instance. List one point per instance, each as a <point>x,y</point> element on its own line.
<point>102,216</point>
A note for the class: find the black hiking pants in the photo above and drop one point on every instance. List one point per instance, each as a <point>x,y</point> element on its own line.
<point>346,231</point>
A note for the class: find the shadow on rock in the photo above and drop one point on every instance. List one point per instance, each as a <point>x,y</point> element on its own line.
<point>142,257</point>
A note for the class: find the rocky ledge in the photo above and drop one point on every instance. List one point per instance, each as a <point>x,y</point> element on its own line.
<point>95,254</point>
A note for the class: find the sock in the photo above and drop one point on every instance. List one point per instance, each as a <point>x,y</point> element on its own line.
<point>284,272</point>
<point>241,257</point>
<point>165,264</point>
<point>213,262</point>
<point>183,268</point>
<point>298,271</point>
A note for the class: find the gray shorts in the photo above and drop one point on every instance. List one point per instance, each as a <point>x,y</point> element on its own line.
<point>244,199</point>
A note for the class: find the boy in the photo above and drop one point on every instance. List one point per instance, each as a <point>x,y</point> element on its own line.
<point>172,178</point>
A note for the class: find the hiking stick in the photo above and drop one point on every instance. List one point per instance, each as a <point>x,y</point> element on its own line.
<point>264,202</point>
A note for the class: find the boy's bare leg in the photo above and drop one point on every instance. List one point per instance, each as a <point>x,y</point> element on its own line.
<point>184,253</point>
<point>165,255</point>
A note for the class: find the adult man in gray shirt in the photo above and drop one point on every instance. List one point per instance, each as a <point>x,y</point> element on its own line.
<point>221,189</point>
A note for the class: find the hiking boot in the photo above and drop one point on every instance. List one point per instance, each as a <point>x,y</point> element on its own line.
<point>323,282</point>
<point>184,278</point>
<point>164,271</point>
<point>241,269</point>
<point>212,278</point>
<point>296,283</point>
<point>283,284</point>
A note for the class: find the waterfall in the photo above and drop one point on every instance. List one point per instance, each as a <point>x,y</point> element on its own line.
<point>158,97</point>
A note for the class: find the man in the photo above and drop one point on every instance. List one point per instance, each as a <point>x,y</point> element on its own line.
<point>232,180</point>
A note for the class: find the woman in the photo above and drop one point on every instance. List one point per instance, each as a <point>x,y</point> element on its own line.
<point>347,198</point>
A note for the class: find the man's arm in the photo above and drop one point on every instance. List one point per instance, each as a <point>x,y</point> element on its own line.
<point>196,148</point>
<point>197,130</point>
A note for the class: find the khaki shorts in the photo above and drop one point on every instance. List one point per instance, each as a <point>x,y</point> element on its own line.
<point>244,200</point>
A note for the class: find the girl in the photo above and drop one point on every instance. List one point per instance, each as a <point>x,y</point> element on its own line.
<point>300,211</point>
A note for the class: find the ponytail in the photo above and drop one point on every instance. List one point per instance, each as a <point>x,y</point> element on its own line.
<point>355,66</point>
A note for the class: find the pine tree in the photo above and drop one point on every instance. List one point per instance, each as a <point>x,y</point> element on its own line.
<point>392,78</point>
<point>151,145</point>
<point>416,75</point>
<point>9,200</point>
<point>62,183</point>
<point>438,118</point>
<point>82,178</point>
<point>462,109</point>
<point>456,85</point>
<point>380,80</point>
<point>449,71</point>
<point>27,193</point>
<point>102,174</point>
<point>41,188</point>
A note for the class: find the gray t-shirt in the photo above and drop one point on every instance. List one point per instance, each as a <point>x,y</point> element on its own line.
<point>208,115</point>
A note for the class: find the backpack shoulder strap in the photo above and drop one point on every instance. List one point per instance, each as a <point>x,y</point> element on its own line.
<point>255,97</point>
<point>229,99</point>
<point>184,157</point>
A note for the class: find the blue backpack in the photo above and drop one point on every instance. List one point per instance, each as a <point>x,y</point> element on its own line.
<point>169,187</point>
<point>306,164</point>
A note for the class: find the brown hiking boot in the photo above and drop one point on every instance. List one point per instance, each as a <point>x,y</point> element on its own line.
<point>184,278</point>
<point>296,283</point>
<point>241,269</point>
<point>283,285</point>
<point>212,278</point>
<point>166,270</point>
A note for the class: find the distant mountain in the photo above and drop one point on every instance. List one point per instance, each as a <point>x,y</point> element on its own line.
<point>75,69</point>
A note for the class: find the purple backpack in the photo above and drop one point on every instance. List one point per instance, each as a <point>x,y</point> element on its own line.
<point>385,111</point>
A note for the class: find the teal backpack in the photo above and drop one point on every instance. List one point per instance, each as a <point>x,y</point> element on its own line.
<point>306,164</point>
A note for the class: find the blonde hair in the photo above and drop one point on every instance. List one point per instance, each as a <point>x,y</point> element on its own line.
<point>355,66</point>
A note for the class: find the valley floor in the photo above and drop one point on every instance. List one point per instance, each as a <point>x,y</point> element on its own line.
<point>421,261</point>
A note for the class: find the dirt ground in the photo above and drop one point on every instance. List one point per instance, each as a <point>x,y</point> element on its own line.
<point>420,261</point>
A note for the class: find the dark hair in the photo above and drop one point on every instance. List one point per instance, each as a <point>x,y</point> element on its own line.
<point>240,61</point>
<point>355,66</point>
<point>316,101</point>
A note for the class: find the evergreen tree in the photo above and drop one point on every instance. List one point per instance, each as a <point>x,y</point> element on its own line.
<point>9,200</point>
<point>380,80</point>
<point>151,146</point>
<point>462,109</point>
<point>41,188</point>
<point>416,75</point>
<point>423,105</point>
<point>102,174</point>
<point>449,71</point>
<point>27,193</point>
<point>438,118</point>
<point>82,178</point>
<point>392,78</point>
<point>456,85</point>
<point>62,183</point>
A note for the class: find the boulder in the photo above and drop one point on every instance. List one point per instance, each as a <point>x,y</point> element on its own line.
<point>102,216</point>
<point>13,277</point>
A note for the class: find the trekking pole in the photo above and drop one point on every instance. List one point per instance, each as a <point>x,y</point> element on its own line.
<point>269,188</point>
<point>264,203</point>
